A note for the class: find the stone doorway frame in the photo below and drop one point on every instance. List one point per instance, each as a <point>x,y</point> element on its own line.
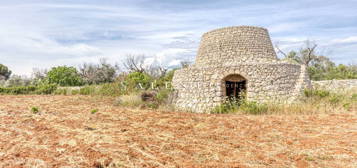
<point>236,78</point>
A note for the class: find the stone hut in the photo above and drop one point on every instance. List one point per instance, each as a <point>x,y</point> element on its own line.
<point>237,62</point>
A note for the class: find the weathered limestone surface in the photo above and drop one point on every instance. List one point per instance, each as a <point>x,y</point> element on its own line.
<point>246,51</point>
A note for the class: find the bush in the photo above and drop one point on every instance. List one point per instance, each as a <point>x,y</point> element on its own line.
<point>98,73</point>
<point>334,99</point>
<point>4,72</point>
<point>322,72</point>
<point>138,80</point>
<point>16,80</point>
<point>253,108</point>
<point>152,105</point>
<point>227,107</point>
<point>354,97</point>
<point>162,95</point>
<point>64,76</point>
<point>316,93</point>
<point>35,110</point>
<point>46,89</point>
<point>75,92</point>
<point>247,107</point>
<point>87,90</point>
<point>109,89</point>
<point>41,89</point>
<point>18,90</point>
<point>93,111</point>
<point>165,81</point>
<point>61,91</point>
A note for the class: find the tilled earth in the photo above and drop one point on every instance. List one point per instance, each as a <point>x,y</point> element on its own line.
<point>64,133</point>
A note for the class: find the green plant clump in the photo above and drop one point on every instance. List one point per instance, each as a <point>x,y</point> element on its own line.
<point>316,93</point>
<point>227,107</point>
<point>87,90</point>
<point>40,89</point>
<point>35,110</point>
<point>64,76</point>
<point>253,108</point>
<point>62,91</point>
<point>93,111</point>
<point>109,89</point>
<point>18,90</point>
<point>138,80</point>
<point>162,95</point>
<point>46,89</point>
<point>354,97</point>
<point>247,107</point>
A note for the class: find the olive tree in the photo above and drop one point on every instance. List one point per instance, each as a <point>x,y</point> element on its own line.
<point>4,72</point>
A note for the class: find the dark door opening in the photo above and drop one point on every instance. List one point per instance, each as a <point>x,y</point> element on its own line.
<point>235,90</point>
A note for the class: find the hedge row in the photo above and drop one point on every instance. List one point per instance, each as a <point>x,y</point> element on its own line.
<point>41,89</point>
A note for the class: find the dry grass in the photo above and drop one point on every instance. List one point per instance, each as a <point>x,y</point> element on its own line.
<point>131,100</point>
<point>65,134</point>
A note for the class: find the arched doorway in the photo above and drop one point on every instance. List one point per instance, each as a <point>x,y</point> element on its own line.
<point>235,87</point>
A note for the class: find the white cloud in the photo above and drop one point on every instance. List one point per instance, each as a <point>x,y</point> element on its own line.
<point>57,33</point>
<point>351,39</point>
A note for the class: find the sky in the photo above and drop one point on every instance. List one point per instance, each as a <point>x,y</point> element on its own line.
<point>46,33</point>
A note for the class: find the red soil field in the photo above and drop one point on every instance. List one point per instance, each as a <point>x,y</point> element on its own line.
<point>66,134</point>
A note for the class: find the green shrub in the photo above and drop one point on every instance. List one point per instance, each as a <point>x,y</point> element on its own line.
<point>64,76</point>
<point>253,108</point>
<point>87,90</point>
<point>153,105</point>
<point>35,110</point>
<point>41,89</point>
<point>164,82</point>
<point>316,93</point>
<point>93,111</point>
<point>75,92</point>
<point>62,91</point>
<point>4,72</point>
<point>138,80</point>
<point>227,107</point>
<point>46,89</point>
<point>247,107</point>
<point>346,106</point>
<point>18,90</point>
<point>109,89</point>
<point>17,81</point>
<point>334,99</point>
<point>162,95</point>
<point>354,97</point>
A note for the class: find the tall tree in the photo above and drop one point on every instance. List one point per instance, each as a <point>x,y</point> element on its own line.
<point>319,67</point>
<point>64,76</point>
<point>306,55</point>
<point>98,73</point>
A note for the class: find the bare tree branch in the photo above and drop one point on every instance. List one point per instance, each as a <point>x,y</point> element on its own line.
<point>279,50</point>
<point>308,54</point>
<point>185,64</point>
<point>134,63</point>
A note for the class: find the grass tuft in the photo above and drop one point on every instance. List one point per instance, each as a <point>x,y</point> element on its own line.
<point>35,110</point>
<point>93,111</point>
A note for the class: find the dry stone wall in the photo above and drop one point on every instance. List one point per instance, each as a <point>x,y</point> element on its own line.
<point>336,85</point>
<point>245,51</point>
<point>235,45</point>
